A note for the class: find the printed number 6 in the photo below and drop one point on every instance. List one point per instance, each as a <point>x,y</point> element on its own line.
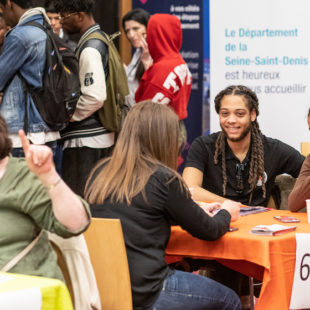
<point>304,266</point>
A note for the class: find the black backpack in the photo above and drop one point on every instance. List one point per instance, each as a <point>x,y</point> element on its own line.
<point>57,99</point>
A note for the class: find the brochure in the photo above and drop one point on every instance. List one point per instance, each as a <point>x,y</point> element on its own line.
<point>252,210</point>
<point>271,230</point>
<point>244,210</point>
<point>287,219</point>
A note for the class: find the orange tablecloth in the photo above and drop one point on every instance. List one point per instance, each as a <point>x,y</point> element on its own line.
<point>271,258</point>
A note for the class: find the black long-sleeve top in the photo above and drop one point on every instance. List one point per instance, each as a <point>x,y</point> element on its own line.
<point>146,229</point>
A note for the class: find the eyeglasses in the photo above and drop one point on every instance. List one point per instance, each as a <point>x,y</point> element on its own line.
<point>62,18</point>
<point>239,178</point>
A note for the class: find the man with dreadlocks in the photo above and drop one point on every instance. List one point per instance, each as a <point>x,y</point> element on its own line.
<point>238,163</point>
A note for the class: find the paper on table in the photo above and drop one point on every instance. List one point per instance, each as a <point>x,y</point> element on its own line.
<point>29,299</point>
<point>252,210</point>
<point>244,210</point>
<point>271,230</point>
<point>5,278</point>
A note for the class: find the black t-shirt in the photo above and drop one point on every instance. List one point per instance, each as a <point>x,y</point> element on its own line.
<point>146,229</point>
<point>279,158</point>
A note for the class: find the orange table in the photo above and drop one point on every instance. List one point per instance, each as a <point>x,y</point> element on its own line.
<point>271,258</point>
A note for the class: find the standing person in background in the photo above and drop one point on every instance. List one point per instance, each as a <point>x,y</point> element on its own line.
<point>140,186</point>
<point>86,140</point>
<point>54,17</point>
<point>134,25</point>
<point>168,80</point>
<point>23,59</point>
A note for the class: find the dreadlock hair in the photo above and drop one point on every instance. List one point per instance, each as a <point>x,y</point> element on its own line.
<point>257,149</point>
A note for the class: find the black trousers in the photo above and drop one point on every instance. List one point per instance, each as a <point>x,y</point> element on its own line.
<point>77,164</point>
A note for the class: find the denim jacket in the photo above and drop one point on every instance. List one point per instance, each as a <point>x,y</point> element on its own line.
<point>24,53</point>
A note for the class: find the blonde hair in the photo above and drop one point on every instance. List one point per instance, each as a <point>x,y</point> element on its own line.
<point>149,138</point>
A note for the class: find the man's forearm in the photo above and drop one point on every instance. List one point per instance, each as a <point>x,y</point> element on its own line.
<point>86,107</point>
<point>200,194</point>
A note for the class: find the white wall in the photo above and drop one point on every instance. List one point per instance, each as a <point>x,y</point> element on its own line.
<point>253,27</point>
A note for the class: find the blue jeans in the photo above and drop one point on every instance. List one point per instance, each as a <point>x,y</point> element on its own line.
<point>184,290</point>
<point>19,152</point>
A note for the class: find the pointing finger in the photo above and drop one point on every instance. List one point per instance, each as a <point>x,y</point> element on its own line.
<point>24,140</point>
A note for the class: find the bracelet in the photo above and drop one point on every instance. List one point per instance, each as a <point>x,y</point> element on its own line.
<point>53,185</point>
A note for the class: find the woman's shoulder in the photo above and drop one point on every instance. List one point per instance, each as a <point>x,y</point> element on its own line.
<point>164,172</point>
<point>163,175</point>
<point>17,173</point>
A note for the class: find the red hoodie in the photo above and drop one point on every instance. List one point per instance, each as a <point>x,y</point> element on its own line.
<point>168,80</point>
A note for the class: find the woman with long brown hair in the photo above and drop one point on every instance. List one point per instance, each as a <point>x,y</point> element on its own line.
<point>140,186</point>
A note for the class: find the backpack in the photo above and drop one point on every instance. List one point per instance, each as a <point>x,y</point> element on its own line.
<point>114,109</point>
<point>57,98</point>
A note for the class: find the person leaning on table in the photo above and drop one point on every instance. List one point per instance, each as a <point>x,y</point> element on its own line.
<point>34,197</point>
<point>301,190</point>
<point>140,186</point>
<point>237,163</point>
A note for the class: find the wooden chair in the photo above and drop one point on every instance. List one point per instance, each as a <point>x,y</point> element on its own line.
<point>107,252</point>
<point>271,203</point>
<point>305,148</point>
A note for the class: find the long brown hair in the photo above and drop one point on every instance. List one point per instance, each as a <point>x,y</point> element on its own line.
<point>257,148</point>
<point>149,138</point>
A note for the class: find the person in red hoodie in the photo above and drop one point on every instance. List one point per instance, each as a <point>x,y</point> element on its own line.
<point>168,80</point>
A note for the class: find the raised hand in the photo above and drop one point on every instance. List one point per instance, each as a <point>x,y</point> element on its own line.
<point>39,158</point>
<point>145,56</point>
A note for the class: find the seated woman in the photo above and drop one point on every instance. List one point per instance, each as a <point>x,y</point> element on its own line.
<point>140,186</point>
<point>34,198</point>
<point>301,192</point>
<point>134,25</point>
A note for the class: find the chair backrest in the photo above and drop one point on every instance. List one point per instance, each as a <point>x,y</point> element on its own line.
<point>107,252</point>
<point>305,148</point>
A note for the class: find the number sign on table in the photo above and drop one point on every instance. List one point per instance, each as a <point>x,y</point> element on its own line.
<point>300,298</point>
